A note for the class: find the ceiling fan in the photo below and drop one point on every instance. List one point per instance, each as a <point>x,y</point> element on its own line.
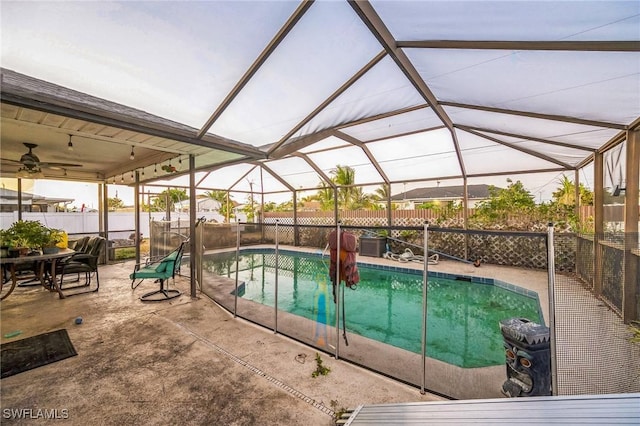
<point>32,166</point>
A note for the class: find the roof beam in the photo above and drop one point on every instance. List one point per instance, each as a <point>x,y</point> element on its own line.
<point>553,117</point>
<point>276,176</point>
<point>477,175</point>
<point>317,169</point>
<point>372,20</point>
<point>530,138</point>
<point>382,116</point>
<point>328,101</point>
<point>413,132</point>
<point>366,151</point>
<point>268,50</point>
<point>521,149</point>
<point>204,177</point>
<point>300,143</point>
<point>581,46</point>
<point>244,175</point>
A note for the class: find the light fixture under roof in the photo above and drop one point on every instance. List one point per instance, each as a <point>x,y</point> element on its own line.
<point>33,173</point>
<point>132,156</point>
<point>70,144</point>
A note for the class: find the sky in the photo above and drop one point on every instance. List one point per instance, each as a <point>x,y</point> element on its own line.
<point>179,62</point>
<point>540,186</point>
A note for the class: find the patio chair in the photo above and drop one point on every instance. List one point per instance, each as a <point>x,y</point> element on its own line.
<point>80,245</point>
<point>160,270</point>
<point>83,262</point>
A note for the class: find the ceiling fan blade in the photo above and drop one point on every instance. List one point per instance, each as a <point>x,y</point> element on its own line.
<point>10,160</point>
<point>58,165</point>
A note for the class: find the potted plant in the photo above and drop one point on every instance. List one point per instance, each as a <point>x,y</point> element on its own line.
<point>17,238</point>
<point>25,235</point>
<point>5,242</point>
<point>51,237</point>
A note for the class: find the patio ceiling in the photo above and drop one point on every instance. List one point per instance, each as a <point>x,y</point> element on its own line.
<point>103,135</point>
<point>274,95</point>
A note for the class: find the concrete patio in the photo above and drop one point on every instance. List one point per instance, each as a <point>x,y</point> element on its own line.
<point>185,361</point>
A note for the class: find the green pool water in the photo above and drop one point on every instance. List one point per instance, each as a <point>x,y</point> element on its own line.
<point>462,317</point>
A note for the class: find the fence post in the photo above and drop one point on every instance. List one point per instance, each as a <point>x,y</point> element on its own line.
<point>552,309</point>
<point>425,284</point>
<point>275,304</point>
<point>336,289</point>
<point>235,293</point>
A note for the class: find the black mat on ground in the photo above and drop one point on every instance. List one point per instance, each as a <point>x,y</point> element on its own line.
<point>36,351</point>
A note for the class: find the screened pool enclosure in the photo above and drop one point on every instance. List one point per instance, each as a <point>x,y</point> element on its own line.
<point>268,102</point>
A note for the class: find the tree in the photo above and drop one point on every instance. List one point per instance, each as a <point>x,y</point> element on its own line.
<point>172,196</point>
<point>114,203</point>
<point>350,197</point>
<point>566,193</point>
<point>561,210</point>
<point>382,193</point>
<point>427,205</point>
<point>503,202</point>
<point>344,177</point>
<point>226,203</point>
<point>359,200</point>
<point>286,206</point>
<point>324,196</point>
<point>250,208</point>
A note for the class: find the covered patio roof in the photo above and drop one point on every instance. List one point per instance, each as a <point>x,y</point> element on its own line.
<point>279,93</point>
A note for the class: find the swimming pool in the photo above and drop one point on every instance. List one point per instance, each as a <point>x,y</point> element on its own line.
<point>463,313</point>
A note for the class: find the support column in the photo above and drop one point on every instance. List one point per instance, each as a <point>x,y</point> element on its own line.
<point>632,250</point>
<point>296,231</point>
<point>136,217</point>
<point>192,224</point>
<point>465,215</point>
<point>389,216</point>
<point>576,182</point>
<point>598,217</point>
<point>336,209</point>
<point>19,199</point>
<point>103,215</point>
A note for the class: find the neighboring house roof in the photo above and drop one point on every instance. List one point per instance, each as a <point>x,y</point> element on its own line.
<point>9,195</point>
<point>444,193</point>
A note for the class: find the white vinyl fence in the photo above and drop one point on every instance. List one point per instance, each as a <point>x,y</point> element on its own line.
<point>121,224</point>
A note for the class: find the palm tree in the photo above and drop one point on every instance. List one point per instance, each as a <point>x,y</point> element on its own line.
<point>566,192</point>
<point>382,193</point>
<point>166,199</point>
<point>324,196</point>
<point>344,176</point>
<point>359,200</point>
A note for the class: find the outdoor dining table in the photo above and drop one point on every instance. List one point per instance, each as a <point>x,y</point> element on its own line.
<point>43,261</point>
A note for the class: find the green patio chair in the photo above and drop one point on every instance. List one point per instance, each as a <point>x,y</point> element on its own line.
<point>160,271</point>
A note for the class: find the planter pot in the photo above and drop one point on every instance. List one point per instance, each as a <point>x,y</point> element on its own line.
<point>50,250</point>
<point>18,251</point>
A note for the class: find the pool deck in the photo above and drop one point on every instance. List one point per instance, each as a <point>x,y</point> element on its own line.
<point>188,361</point>
<point>184,361</point>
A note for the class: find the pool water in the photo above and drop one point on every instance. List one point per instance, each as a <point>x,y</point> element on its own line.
<point>462,316</point>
